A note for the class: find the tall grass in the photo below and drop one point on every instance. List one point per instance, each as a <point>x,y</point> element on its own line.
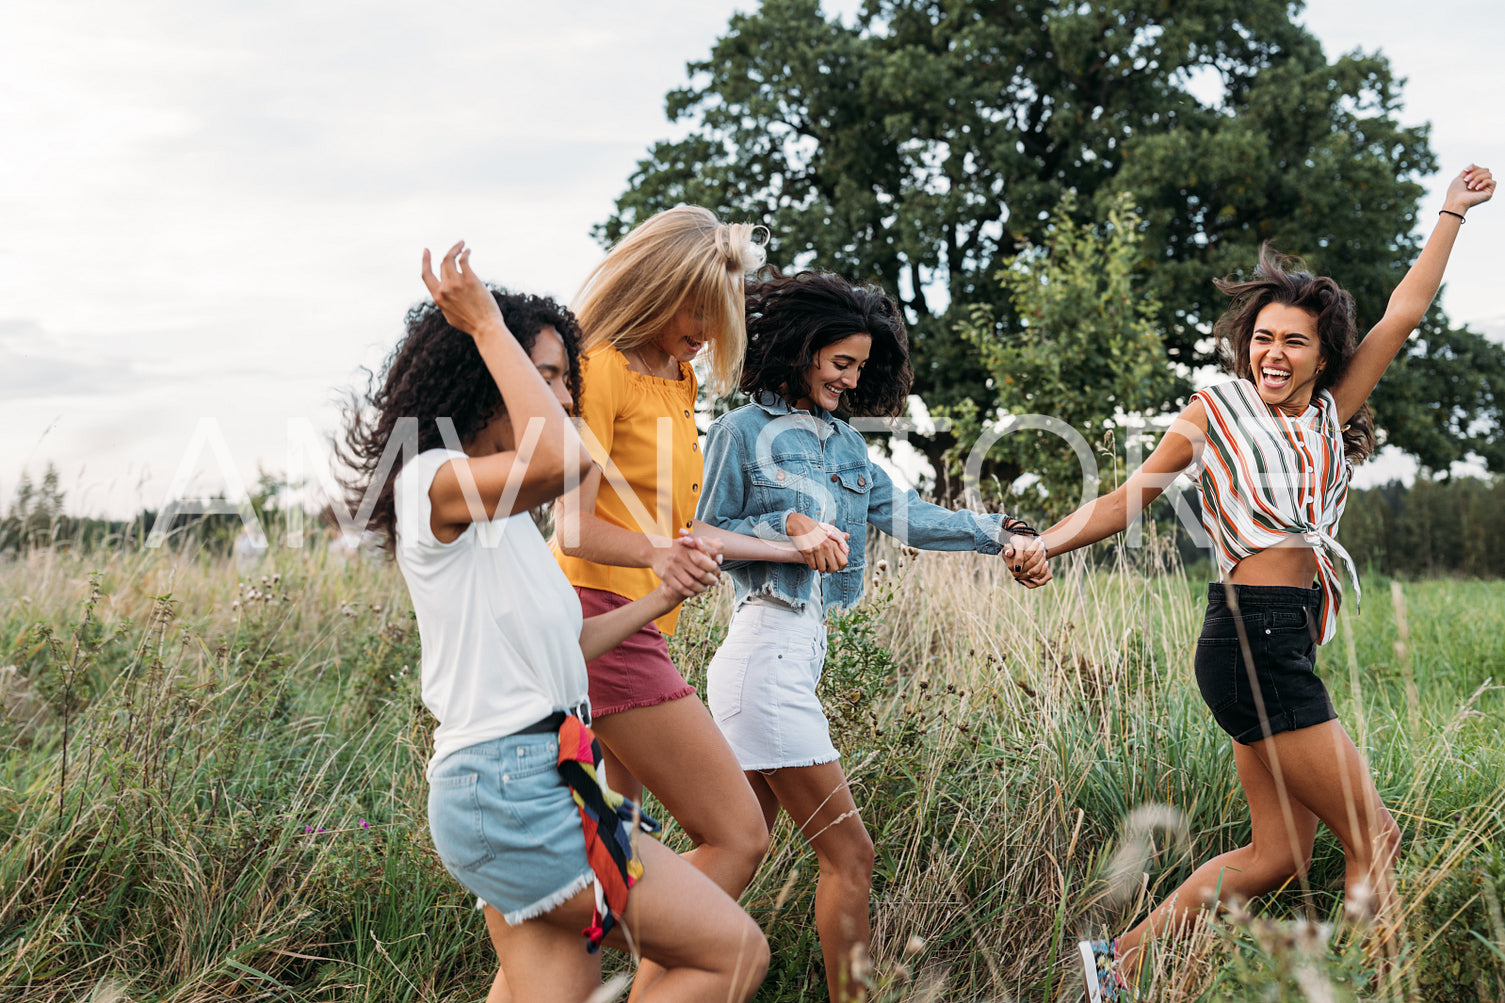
<point>211,787</point>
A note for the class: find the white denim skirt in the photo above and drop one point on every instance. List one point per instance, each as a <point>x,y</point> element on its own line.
<point>760,686</point>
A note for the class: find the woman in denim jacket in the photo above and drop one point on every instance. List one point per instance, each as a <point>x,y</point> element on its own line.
<point>784,468</point>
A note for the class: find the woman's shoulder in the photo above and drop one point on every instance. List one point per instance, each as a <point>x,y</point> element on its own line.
<point>743,416</point>
<point>426,464</point>
<point>603,358</point>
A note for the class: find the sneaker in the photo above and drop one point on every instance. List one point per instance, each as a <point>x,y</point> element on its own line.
<point>1100,970</point>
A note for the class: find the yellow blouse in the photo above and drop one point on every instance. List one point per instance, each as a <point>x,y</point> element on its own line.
<point>641,430</point>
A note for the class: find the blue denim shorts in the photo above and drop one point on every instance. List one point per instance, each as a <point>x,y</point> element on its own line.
<point>506,827</point>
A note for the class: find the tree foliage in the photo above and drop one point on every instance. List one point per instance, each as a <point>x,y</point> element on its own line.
<point>35,514</point>
<point>929,142</point>
<point>1082,348</point>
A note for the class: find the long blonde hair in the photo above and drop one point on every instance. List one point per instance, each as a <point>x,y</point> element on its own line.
<point>683,256</point>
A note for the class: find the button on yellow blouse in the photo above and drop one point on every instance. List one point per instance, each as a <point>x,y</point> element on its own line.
<point>642,432</point>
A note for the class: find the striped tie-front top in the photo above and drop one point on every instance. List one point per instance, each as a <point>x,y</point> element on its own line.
<point>1267,477</point>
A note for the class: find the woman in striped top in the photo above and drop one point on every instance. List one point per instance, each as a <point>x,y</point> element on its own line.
<point>1275,448</point>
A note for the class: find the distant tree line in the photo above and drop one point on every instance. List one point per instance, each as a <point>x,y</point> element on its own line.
<point>1426,529</point>
<point>36,519</point>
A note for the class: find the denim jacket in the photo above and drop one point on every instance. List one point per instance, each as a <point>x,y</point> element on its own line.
<point>765,460</point>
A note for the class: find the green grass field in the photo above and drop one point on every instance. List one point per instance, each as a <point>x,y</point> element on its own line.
<point>212,787</point>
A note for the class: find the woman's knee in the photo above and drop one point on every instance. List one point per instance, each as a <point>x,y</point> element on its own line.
<point>741,835</point>
<point>752,957</point>
<point>850,855</point>
<point>1274,866</point>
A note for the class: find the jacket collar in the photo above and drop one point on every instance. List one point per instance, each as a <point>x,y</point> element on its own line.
<point>776,405</point>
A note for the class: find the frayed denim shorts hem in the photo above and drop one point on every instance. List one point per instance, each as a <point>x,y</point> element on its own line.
<point>506,827</point>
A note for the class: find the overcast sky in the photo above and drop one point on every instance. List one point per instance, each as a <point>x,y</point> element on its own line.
<point>216,210</point>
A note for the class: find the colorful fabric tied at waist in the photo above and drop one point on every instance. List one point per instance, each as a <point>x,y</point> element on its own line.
<point>1324,545</point>
<point>608,819</point>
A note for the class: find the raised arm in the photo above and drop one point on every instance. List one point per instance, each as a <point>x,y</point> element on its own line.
<point>1112,513</point>
<point>1410,300</point>
<point>548,450</point>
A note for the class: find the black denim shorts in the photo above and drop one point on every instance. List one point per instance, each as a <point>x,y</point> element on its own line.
<point>1280,627</point>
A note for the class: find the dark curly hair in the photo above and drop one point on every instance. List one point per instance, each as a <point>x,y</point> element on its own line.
<point>792,317</point>
<point>436,372</point>
<point>1284,280</point>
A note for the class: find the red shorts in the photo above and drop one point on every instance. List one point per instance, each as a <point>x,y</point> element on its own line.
<point>636,673</point>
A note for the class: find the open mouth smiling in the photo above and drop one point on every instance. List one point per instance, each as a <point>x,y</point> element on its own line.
<point>1275,378</point>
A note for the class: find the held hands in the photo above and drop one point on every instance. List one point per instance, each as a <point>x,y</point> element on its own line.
<point>1026,559</point>
<point>1024,551</point>
<point>1470,188</point>
<point>822,545</point>
<point>688,566</point>
<point>460,294</point>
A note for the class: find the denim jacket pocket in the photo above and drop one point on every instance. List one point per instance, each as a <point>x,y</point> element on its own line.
<point>791,480</point>
<point>856,482</point>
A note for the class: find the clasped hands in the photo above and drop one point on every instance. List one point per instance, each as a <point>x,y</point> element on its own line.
<point>688,565</point>
<point>822,546</point>
<point>1026,559</point>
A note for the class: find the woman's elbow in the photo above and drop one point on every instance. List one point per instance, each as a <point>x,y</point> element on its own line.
<point>583,464</point>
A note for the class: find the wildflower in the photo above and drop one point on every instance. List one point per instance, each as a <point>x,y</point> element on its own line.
<point>365,824</point>
<point>1358,904</point>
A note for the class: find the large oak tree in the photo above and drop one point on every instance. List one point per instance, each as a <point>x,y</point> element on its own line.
<point>928,143</point>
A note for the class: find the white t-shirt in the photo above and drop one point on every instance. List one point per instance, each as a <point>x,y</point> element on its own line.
<point>498,622</point>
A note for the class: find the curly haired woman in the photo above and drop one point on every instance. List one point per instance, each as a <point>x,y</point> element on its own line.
<point>1276,446</point>
<point>784,467</point>
<point>480,385</point>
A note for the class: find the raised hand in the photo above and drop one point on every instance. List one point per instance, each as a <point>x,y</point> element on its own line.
<point>822,545</point>
<point>460,294</point>
<point>1471,187</point>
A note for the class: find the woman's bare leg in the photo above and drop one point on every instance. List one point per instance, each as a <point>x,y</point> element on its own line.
<point>1280,849</point>
<point>618,777</point>
<point>1323,770</point>
<point>1292,780</point>
<point>705,946</point>
<point>678,753</point>
<point>768,801</point>
<point>819,801</point>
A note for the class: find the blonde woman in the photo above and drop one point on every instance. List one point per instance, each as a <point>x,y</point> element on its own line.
<point>668,293</point>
